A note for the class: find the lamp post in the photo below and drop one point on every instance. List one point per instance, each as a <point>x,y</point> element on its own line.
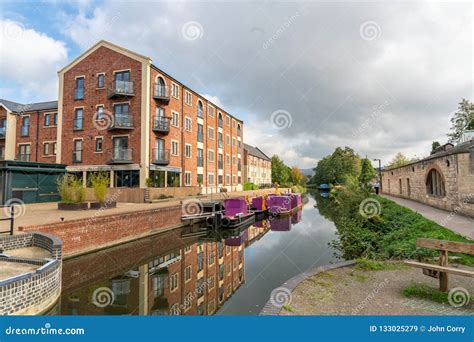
<point>380,172</point>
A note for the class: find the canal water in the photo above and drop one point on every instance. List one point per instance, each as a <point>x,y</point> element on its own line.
<point>194,272</point>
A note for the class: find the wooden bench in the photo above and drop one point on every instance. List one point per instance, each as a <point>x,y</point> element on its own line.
<point>441,270</point>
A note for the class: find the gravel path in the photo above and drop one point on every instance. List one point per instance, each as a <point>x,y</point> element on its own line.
<point>350,291</point>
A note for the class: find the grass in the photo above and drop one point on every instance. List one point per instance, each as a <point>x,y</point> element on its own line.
<point>289,308</point>
<point>421,291</point>
<point>365,264</point>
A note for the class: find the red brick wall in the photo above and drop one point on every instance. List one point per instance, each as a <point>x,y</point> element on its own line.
<point>103,60</point>
<point>103,230</point>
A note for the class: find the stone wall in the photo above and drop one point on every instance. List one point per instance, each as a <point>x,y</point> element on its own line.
<point>457,171</point>
<point>31,293</point>
<point>102,230</point>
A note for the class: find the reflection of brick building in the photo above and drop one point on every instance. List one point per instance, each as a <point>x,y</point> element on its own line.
<point>193,278</point>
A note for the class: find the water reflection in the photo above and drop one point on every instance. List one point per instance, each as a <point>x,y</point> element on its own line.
<point>185,272</point>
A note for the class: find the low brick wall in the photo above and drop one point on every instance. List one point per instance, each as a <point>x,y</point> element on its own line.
<point>101,231</point>
<point>35,292</point>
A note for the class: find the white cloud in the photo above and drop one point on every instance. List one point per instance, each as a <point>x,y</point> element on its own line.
<point>30,60</point>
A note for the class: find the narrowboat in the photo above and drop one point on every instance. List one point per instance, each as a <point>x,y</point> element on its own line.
<point>259,208</point>
<point>236,213</point>
<point>284,204</point>
<point>281,224</point>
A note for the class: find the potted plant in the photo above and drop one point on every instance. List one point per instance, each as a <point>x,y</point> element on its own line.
<point>72,193</point>
<point>100,183</point>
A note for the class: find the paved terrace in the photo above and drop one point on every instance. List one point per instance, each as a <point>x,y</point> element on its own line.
<point>43,213</point>
<point>460,224</point>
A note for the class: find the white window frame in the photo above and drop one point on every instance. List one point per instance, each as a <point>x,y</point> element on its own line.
<point>211,110</point>
<point>188,98</point>
<point>213,178</point>
<point>186,173</point>
<point>190,151</point>
<point>173,87</point>
<point>213,155</point>
<point>177,148</point>
<point>213,132</point>
<point>173,113</point>
<point>186,120</point>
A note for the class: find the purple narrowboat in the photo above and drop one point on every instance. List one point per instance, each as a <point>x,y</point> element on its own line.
<point>236,213</point>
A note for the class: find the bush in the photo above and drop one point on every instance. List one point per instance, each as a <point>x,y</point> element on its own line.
<point>250,186</point>
<point>298,189</point>
<point>100,184</point>
<point>70,189</point>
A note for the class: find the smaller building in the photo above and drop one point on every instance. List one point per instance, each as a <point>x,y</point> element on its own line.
<point>257,166</point>
<point>444,180</point>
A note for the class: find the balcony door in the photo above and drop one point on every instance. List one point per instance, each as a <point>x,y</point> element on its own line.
<point>122,82</point>
<point>121,148</point>
<point>159,149</point>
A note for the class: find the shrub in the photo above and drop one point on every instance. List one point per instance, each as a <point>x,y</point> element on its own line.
<point>250,186</point>
<point>70,189</point>
<point>100,184</point>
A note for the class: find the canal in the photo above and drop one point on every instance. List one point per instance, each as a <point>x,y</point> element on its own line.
<point>194,272</point>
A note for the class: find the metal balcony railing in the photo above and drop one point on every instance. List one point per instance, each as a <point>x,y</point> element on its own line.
<point>121,88</point>
<point>160,156</point>
<point>120,155</point>
<point>161,92</point>
<point>121,121</point>
<point>161,124</point>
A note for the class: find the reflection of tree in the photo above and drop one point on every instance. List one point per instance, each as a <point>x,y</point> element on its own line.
<point>324,206</point>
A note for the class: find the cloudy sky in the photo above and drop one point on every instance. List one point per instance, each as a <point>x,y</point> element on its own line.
<point>306,77</point>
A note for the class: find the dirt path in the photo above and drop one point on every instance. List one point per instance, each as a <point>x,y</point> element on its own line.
<point>350,291</point>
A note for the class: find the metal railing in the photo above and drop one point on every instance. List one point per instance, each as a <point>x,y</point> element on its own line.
<point>161,92</point>
<point>10,218</point>
<point>124,88</point>
<point>161,124</point>
<point>121,155</point>
<point>160,156</point>
<point>122,121</point>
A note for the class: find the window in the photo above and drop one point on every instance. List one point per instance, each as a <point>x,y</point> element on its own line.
<point>220,161</point>
<point>239,167</point>
<point>435,184</point>
<point>239,179</point>
<point>210,110</point>
<point>210,179</point>
<point>211,283</point>
<point>127,178</point>
<point>54,148</point>
<point>227,139</point>
<point>187,178</point>
<point>25,126</point>
<point>199,178</point>
<point>175,119</point>
<point>219,140</point>
<point>200,133</point>
<point>187,151</point>
<point>227,179</point>
<point>77,152</point>
<point>79,91</point>
<point>188,98</point>
<point>24,152</point>
<point>210,133</point>
<point>187,273</point>
<point>122,82</point>
<point>174,148</point>
<point>175,90</point>
<point>227,159</point>
<point>174,282</point>
<point>78,118</point>
<point>121,115</point>
<point>98,144</point>
<point>233,160</point>
<point>211,259</point>
<point>210,155</point>
<point>99,113</point>
<point>220,179</point>
<point>200,110</point>
<point>187,124</point>
<point>173,179</point>
<point>46,149</point>
<point>47,120</point>
<point>238,130</point>
<point>100,81</point>
<point>200,157</point>
<point>219,120</point>
<point>227,120</point>
<point>233,142</point>
<point>55,119</point>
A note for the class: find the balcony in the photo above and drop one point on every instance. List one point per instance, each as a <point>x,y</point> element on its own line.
<point>120,88</point>
<point>161,92</point>
<point>120,155</point>
<point>23,157</point>
<point>77,156</point>
<point>121,121</point>
<point>161,124</point>
<point>3,132</point>
<point>160,156</point>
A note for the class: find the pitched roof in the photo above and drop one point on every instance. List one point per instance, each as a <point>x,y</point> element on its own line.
<point>16,107</point>
<point>256,152</point>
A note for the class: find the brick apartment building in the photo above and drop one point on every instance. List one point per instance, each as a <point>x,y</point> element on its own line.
<point>257,166</point>
<point>117,112</point>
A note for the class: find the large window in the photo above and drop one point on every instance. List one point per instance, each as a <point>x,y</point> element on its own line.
<point>199,109</point>
<point>79,91</point>
<point>200,133</point>
<point>127,178</point>
<point>157,179</point>
<point>25,126</point>
<point>435,184</point>
<point>173,179</point>
<point>78,118</point>
<point>219,120</point>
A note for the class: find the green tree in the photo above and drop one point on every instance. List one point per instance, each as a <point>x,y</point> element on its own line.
<point>434,145</point>
<point>462,120</point>
<point>296,175</point>
<point>398,160</point>
<point>367,173</point>
<point>337,167</point>
<point>281,173</point>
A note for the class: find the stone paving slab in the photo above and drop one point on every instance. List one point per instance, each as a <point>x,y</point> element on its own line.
<point>29,252</point>
<point>11,269</point>
<point>460,224</point>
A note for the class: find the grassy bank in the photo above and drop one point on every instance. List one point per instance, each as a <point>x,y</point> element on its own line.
<point>390,234</point>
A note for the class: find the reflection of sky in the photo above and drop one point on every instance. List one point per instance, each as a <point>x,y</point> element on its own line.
<point>278,256</point>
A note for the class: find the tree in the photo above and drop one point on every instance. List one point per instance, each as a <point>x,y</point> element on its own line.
<point>434,146</point>
<point>296,175</point>
<point>398,160</point>
<point>280,172</point>
<point>337,167</point>
<point>367,173</point>
<point>462,120</point>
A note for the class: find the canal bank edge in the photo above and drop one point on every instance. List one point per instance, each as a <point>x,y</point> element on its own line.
<point>271,310</point>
